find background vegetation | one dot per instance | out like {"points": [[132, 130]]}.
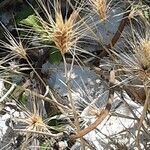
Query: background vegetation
{"points": [[46, 47]]}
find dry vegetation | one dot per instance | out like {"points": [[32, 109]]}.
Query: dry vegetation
{"points": [[46, 119]]}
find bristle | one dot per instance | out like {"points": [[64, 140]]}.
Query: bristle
{"points": [[21, 51], [95, 111]]}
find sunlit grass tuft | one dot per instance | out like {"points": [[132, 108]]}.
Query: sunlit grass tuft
{"points": [[141, 52], [64, 31], [31, 123], [135, 60], [32, 119], [132, 62]]}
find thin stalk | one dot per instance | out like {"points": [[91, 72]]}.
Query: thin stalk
{"points": [[65, 67], [50, 92], [39, 132], [68, 84], [36, 72]]}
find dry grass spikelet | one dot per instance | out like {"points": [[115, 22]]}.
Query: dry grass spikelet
{"points": [[31, 124], [62, 31], [14, 46], [143, 53], [33, 121], [134, 64], [136, 60], [63, 35], [100, 7]]}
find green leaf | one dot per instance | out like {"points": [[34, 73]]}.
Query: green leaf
{"points": [[31, 21], [54, 56], [20, 94]]}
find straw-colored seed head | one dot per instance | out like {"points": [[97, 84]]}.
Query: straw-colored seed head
{"points": [[143, 53], [100, 6], [59, 29], [14, 46], [35, 120], [63, 35], [20, 51]]}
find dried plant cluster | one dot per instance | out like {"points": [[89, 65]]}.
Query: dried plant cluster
{"points": [[142, 51], [59, 30], [64, 36], [15, 47], [44, 115]]}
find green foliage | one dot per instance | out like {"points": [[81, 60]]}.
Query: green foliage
{"points": [[58, 128], [33, 22], [44, 146], [23, 98], [57, 125], [55, 56], [19, 95]]}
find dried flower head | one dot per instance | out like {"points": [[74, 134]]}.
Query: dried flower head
{"points": [[64, 35], [136, 60], [100, 7], [33, 121], [63, 31]]}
